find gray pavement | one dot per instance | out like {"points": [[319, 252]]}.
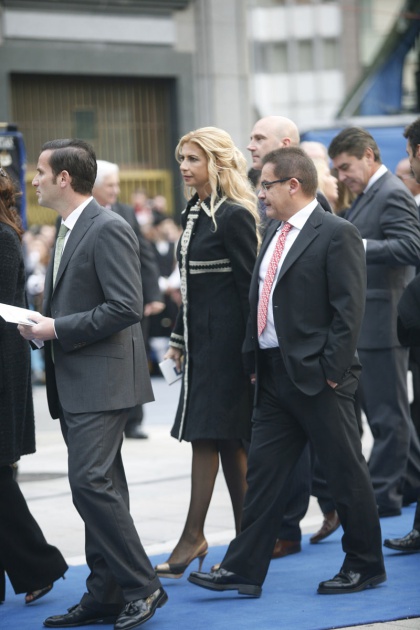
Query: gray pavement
{"points": [[158, 473]]}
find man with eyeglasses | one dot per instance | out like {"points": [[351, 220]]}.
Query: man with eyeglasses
{"points": [[305, 316], [268, 134]]}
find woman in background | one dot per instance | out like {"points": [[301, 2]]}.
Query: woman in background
{"points": [[216, 255], [327, 182], [31, 564]]}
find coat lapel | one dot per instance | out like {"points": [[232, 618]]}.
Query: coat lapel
{"points": [[365, 199], [307, 234], [83, 223]]}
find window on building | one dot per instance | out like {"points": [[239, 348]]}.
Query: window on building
{"points": [[330, 54], [271, 58], [305, 55], [277, 57]]}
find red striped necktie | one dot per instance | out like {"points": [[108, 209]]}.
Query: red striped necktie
{"points": [[269, 278]]}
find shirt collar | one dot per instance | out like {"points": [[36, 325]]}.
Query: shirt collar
{"points": [[299, 219], [381, 171], [70, 222]]}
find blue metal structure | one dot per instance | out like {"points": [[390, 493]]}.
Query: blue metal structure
{"points": [[386, 130]]}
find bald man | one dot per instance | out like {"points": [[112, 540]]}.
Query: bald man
{"points": [[316, 150], [270, 133]]}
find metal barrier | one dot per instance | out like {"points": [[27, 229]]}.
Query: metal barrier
{"points": [[153, 182]]}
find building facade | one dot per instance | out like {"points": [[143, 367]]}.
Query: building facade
{"points": [[132, 76]]}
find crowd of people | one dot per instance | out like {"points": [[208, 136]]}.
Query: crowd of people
{"points": [[289, 300]]}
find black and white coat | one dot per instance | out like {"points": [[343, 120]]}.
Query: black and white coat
{"points": [[216, 266]]}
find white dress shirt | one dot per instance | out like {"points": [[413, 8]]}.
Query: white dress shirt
{"points": [[70, 222], [268, 338]]}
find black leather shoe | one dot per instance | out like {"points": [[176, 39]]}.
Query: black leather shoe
{"points": [[140, 610], [78, 616], [409, 543], [222, 580], [350, 582]]}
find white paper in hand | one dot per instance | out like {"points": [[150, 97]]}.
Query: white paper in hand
{"points": [[169, 371], [16, 315]]}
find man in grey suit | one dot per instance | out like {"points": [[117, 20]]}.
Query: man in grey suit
{"points": [[386, 216], [96, 369], [305, 314]]}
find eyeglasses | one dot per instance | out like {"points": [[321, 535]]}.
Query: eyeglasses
{"points": [[267, 185]]}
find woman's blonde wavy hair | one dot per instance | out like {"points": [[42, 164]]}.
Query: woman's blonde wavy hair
{"points": [[227, 169]]}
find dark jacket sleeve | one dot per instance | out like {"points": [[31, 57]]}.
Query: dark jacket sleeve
{"points": [[149, 268], [408, 323]]}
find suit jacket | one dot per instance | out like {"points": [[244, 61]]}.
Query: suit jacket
{"points": [[149, 266], [318, 301], [387, 216], [409, 315], [99, 357]]}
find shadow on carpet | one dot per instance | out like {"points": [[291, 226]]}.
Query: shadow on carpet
{"points": [[289, 600]]}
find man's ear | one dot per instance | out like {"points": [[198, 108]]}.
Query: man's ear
{"points": [[417, 151], [369, 154], [64, 179], [294, 185]]}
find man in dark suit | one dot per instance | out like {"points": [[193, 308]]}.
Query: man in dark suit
{"points": [[96, 369], [106, 191], [268, 134], [408, 323], [303, 330], [404, 172], [386, 216]]}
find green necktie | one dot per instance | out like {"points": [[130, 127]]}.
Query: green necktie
{"points": [[59, 246]]}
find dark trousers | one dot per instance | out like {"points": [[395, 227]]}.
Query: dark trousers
{"points": [[29, 561], [319, 488], [394, 462], [297, 495], [414, 366], [284, 420], [120, 570], [416, 524]]}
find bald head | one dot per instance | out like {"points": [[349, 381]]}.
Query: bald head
{"points": [[270, 133], [405, 174], [315, 150]]}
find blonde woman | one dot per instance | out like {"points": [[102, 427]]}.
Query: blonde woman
{"points": [[327, 182], [216, 255]]}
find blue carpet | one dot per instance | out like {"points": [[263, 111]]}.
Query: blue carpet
{"points": [[289, 600]]}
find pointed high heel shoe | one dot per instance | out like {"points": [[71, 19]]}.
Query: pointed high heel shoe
{"points": [[176, 571], [34, 595]]}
